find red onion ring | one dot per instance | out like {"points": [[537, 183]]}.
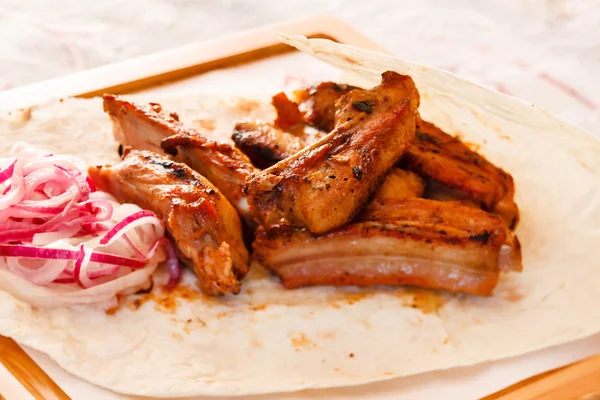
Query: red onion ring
{"points": [[49, 214]]}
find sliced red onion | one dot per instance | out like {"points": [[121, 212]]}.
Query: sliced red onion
{"points": [[106, 258], [80, 272], [43, 239], [7, 172], [133, 247], [64, 280], [13, 250], [90, 183], [16, 191], [99, 273], [130, 222], [47, 253], [52, 223]]}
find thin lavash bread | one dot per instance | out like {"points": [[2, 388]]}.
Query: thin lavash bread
{"points": [[268, 339]]}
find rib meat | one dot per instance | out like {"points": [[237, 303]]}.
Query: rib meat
{"points": [[439, 245], [453, 171], [265, 144], [145, 128], [326, 184], [317, 103], [398, 185], [443, 158], [205, 228]]}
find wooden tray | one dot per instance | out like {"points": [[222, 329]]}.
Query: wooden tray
{"points": [[181, 67]]}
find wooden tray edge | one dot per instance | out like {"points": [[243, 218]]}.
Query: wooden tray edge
{"points": [[184, 61]]}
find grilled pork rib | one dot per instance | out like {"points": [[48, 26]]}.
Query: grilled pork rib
{"points": [[144, 128], [205, 228], [443, 158], [299, 123], [265, 144], [439, 245], [453, 171], [326, 184], [317, 103]]}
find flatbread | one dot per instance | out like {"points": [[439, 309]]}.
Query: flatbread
{"points": [[268, 339]]}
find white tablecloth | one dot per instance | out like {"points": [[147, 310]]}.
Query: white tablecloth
{"points": [[545, 51]]}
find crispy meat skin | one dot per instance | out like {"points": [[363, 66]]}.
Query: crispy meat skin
{"points": [[326, 184], [145, 128], [420, 242], [441, 157], [220, 163], [399, 184], [452, 169], [265, 144], [317, 103], [204, 226], [288, 113]]}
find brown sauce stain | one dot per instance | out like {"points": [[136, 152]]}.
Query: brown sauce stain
{"points": [[177, 336], [301, 342], [112, 311], [205, 124], [186, 327], [256, 343], [426, 300], [353, 298], [246, 106], [585, 166], [473, 146], [121, 301], [327, 335], [165, 300], [388, 373], [491, 126], [19, 117], [513, 293], [309, 315]]}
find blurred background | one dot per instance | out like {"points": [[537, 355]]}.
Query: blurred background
{"points": [[544, 51]]}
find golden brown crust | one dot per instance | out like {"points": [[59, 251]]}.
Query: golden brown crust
{"points": [[317, 103], [288, 113], [265, 144], [400, 184], [453, 170], [205, 228], [324, 185], [298, 124], [221, 163], [441, 157], [147, 128], [418, 242]]}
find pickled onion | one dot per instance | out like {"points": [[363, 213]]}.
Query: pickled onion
{"points": [[59, 233]]}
